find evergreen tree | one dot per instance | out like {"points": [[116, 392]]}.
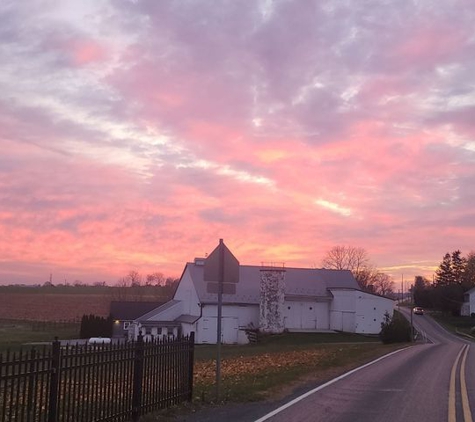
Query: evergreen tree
{"points": [[422, 292], [444, 274], [469, 273], [458, 266]]}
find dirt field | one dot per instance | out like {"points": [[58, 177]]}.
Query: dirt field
{"points": [[52, 307]]}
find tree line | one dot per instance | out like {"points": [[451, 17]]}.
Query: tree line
{"points": [[454, 276], [134, 286]]}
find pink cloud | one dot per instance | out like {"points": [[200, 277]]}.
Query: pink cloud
{"points": [[287, 131], [86, 52], [424, 45]]}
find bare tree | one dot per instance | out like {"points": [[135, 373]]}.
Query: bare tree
{"points": [[346, 258], [383, 284], [155, 279], [134, 278], [122, 288], [354, 259], [365, 277]]}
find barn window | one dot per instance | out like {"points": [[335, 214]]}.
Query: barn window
{"points": [[311, 308], [288, 307], [375, 308]]}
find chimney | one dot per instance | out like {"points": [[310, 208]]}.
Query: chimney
{"points": [[272, 289]]}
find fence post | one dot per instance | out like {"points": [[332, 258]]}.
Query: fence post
{"points": [[191, 357], [137, 381], [31, 383], [54, 381]]}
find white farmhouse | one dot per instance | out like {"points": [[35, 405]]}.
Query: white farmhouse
{"points": [[468, 306], [272, 299]]}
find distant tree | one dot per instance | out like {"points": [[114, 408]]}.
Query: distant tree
{"points": [[171, 284], [444, 274], [354, 259], [383, 284], [448, 287], [134, 277], [469, 273], [448, 298], [422, 292], [366, 278], [458, 266], [171, 281], [346, 258], [155, 279], [122, 289]]}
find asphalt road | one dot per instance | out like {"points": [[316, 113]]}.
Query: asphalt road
{"points": [[431, 382]]}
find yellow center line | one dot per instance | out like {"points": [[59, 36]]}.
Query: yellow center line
{"points": [[467, 413], [452, 411]]}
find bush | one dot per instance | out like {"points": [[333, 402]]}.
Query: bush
{"points": [[396, 329], [95, 326]]}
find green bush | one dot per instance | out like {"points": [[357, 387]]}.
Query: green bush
{"points": [[396, 329]]}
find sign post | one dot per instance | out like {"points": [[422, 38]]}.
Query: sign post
{"points": [[221, 273], [220, 312]]}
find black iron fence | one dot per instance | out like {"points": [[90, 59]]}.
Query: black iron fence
{"points": [[111, 382]]}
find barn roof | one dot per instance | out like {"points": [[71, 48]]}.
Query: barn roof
{"points": [[130, 310], [300, 282]]}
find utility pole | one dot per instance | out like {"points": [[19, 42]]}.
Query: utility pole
{"points": [[412, 313], [402, 288], [220, 310]]}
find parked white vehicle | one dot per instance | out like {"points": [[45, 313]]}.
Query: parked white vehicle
{"points": [[99, 340]]}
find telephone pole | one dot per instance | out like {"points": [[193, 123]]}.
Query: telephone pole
{"points": [[402, 288]]}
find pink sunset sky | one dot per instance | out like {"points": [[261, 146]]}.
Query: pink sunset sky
{"points": [[136, 134]]}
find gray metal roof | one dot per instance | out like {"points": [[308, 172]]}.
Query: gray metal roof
{"points": [[157, 310], [190, 319], [130, 310], [298, 282]]}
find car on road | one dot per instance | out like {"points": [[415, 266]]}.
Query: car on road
{"points": [[418, 310]]}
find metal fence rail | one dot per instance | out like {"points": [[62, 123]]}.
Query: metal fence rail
{"points": [[110, 382]]}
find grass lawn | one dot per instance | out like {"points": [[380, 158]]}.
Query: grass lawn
{"points": [[455, 324], [280, 343], [15, 334]]}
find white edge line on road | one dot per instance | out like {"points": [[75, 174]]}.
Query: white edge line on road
{"points": [[321, 387]]}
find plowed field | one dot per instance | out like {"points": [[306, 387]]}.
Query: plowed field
{"points": [[52, 307]]}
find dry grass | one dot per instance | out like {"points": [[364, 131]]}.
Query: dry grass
{"points": [[250, 377]]}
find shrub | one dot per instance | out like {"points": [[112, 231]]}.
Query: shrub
{"points": [[395, 330], [95, 326]]}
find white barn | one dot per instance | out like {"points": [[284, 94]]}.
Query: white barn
{"points": [[272, 299]]}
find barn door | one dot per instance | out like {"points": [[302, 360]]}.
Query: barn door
{"points": [[308, 316]]}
